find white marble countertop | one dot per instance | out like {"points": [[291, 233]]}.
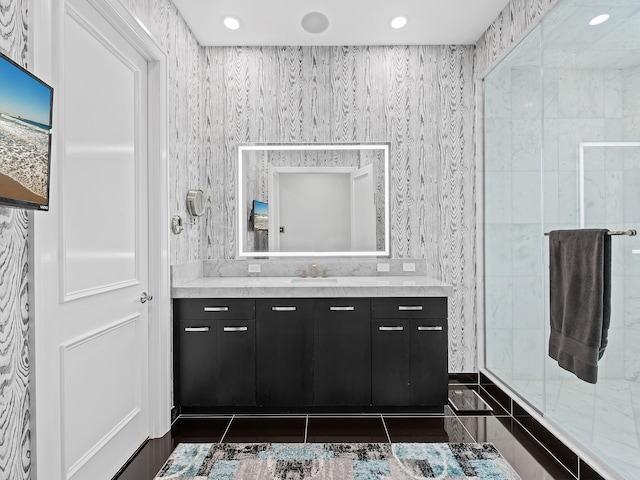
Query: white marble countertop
{"points": [[347, 286]]}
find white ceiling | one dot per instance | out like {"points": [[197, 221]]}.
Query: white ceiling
{"points": [[351, 22]]}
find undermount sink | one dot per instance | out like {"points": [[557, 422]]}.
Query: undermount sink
{"points": [[314, 281]]}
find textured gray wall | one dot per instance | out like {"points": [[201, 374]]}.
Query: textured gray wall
{"points": [[418, 98], [169, 29], [15, 441]]}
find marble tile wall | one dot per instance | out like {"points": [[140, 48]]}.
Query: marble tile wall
{"points": [[631, 200], [578, 105], [511, 230], [15, 439], [419, 98]]}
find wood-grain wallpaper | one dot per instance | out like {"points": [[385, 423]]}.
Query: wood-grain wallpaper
{"points": [[167, 26], [507, 30], [15, 435], [418, 98]]}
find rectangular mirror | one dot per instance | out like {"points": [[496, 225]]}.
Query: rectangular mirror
{"points": [[313, 200]]}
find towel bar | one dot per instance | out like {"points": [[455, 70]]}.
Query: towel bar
{"points": [[631, 233]]}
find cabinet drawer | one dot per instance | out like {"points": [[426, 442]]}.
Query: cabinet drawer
{"points": [[408, 307], [213, 308], [337, 306], [289, 308]]}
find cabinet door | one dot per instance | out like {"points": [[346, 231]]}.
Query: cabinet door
{"points": [[284, 349], [426, 344], [236, 362], [390, 367], [429, 362], [195, 362], [342, 346]]}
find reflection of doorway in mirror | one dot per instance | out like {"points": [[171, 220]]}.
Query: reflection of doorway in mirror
{"points": [[322, 209], [312, 212]]}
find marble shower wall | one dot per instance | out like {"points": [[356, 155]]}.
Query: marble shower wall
{"points": [[631, 199], [418, 98], [170, 30], [514, 290], [15, 433], [579, 104]]}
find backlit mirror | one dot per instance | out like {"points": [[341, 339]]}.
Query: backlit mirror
{"points": [[313, 200]]}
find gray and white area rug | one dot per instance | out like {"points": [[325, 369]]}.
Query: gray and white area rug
{"points": [[336, 461]]}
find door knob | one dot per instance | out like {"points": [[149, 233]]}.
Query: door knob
{"points": [[144, 297]]}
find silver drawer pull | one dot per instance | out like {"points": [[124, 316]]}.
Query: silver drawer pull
{"points": [[410, 308], [196, 329], [391, 329], [430, 329], [284, 309], [235, 329], [216, 309], [342, 309]]}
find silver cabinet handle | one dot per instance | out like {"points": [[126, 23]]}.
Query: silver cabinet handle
{"points": [[144, 297], [284, 309], [430, 329], [196, 329], [235, 329], [391, 329], [410, 308], [342, 309], [216, 309]]}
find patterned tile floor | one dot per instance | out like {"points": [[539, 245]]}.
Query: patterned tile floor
{"points": [[519, 448]]}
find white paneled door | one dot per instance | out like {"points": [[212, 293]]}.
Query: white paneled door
{"points": [[93, 298]]}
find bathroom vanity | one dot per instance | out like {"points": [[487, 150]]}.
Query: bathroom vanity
{"points": [[277, 343], [283, 344]]}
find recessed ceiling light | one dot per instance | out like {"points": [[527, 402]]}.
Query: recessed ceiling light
{"points": [[315, 22], [599, 19], [231, 22], [399, 21]]}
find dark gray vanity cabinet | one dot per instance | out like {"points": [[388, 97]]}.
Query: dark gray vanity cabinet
{"points": [[298, 354], [214, 352], [342, 351], [284, 347], [409, 346]]}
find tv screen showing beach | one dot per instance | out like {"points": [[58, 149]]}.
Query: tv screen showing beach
{"points": [[25, 135], [260, 216]]}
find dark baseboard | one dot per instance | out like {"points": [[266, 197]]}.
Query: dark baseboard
{"points": [[470, 378]]}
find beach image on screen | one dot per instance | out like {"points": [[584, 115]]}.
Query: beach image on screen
{"points": [[24, 135], [260, 216]]}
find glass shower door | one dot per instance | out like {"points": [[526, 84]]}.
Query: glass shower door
{"points": [[605, 417]]}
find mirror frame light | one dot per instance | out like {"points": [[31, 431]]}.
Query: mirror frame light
{"points": [[241, 210]]}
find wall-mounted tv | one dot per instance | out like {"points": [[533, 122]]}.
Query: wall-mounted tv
{"points": [[260, 216], [25, 137]]}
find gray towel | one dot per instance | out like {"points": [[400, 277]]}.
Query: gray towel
{"points": [[580, 289]]}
